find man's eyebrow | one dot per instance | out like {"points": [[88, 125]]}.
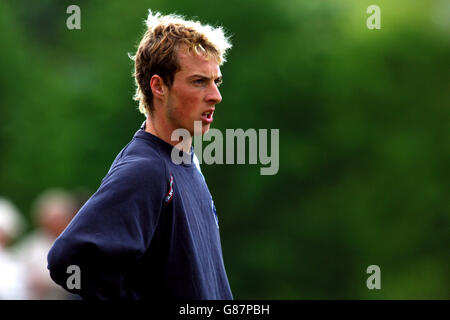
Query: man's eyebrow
{"points": [[205, 77]]}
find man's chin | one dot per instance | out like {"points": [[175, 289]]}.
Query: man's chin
{"points": [[205, 128], [199, 131]]}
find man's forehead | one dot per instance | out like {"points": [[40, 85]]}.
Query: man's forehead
{"points": [[192, 64]]}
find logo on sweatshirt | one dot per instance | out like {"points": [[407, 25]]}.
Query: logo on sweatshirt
{"points": [[169, 195], [215, 213]]}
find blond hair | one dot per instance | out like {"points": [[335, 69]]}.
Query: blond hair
{"points": [[158, 50]]}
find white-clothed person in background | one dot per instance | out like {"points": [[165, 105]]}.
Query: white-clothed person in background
{"points": [[13, 282], [52, 212]]}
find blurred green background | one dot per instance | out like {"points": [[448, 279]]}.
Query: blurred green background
{"points": [[364, 132]]}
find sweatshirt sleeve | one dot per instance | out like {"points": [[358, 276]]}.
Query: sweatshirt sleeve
{"points": [[111, 231]]}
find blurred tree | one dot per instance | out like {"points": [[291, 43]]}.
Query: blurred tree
{"points": [[363, 118]]}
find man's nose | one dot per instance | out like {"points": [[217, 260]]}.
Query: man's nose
{"points": [[214, 96]]}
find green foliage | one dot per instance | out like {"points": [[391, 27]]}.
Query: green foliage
{"points": [[364, 133]]}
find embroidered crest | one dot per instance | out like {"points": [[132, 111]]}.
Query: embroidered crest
{"points": [[169, 195], [215, 213]]}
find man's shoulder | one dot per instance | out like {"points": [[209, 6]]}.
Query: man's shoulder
{"points": [[140, 148], [141, 166], [138, 170]]}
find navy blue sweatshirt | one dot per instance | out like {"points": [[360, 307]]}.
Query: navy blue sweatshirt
{"points": [[149, 232]]}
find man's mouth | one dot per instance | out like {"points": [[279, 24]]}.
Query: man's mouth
{"points": [[207, 117]]}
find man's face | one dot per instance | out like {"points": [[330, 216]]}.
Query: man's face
{"points": [[194, 92]]}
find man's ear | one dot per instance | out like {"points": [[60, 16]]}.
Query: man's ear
{"points": [[158, 87]]}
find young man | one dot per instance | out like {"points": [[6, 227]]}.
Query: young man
{"points": [[150, 231]]}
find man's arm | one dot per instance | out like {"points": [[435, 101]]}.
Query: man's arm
{"points": [[112, 231]]}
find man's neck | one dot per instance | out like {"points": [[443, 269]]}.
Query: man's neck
{"points": [[164, 132]]}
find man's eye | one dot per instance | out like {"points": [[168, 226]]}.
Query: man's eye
{"points": [[218, 82], [199, 81]]}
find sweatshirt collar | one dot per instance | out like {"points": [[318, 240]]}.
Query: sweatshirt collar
{"points": [[164, 147]]}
